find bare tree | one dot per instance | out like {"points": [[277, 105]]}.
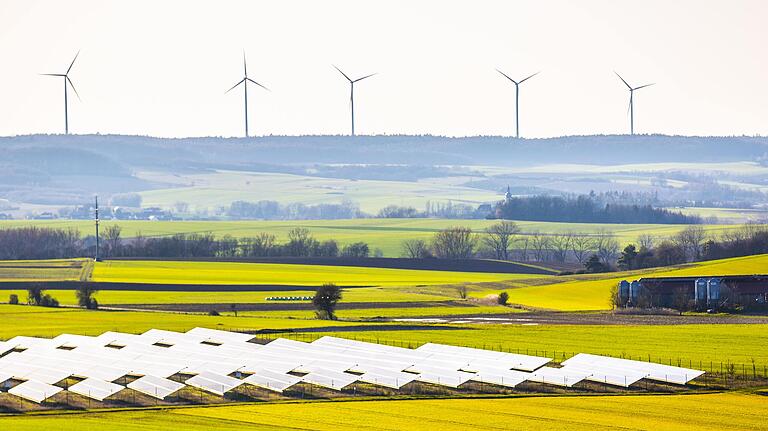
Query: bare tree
{"points": [[540, 246], [524, 244], [500, 236], [606, 246], [646, 241], [691, 239], [582, 246], [112, 239], [415, 249], [454, 243], [560, 245]]}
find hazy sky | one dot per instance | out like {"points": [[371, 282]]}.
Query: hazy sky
{"points": [[162, 67]]}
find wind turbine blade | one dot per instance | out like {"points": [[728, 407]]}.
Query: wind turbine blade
{"points": [[234, 86], [245, 67], [643, 86], [529, 77], [622, 80], [249, 79], [507, 76], [52, 74], [73, 87], [345, 75], [73, 62], [366, 76]]}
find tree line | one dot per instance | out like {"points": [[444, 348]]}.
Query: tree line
{"points": [[506, 241], [694, 244], [56, 243], [586, 209]]}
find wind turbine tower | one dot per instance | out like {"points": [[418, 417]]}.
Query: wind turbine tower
{"points": [[517, 99], [352, 94], [67, 82], [245, 82], [631, 102]]}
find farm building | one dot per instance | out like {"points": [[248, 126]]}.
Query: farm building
{"points": [[696, 293]]}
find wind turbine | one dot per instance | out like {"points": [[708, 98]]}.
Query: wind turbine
{"points": [[245, 81], [517, 99], [65, 75], [352, 94], [631, 102]]}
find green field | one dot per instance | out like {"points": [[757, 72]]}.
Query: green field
{"points": [[384, 234], [591, 291], [177, 272], [733, 411], [210, 190], [44, 270]]}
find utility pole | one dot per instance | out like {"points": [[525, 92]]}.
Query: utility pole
{"points": [[97, 229]]}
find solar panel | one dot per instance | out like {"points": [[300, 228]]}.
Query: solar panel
{"points": [[390, 379], [652, 371], [220, 336], [272, 380], [4, 377], [46, 375], [156, 387], [330, 379], [215, 383], [5, 347], [34, 391], [608, 375], [509, 360], [95, 389], [508, 378], [22, 342], [558, 376]]}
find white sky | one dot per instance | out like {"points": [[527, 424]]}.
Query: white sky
{"points": [[161, 67]]}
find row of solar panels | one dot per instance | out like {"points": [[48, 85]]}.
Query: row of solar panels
{"points": [[220, 361]]}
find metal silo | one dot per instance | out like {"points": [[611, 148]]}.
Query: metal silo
{"points": [[700, 291], [713, 292], [634, 291], [623, 292]]}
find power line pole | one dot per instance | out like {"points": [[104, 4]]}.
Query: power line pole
{"points": [[97, 229]]}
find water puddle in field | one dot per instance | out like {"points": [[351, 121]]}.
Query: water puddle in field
{"points": [[472, 320]]}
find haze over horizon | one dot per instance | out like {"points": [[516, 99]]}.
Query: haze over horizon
{"points": [[161, 69]]}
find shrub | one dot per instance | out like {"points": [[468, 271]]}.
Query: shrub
{"points": [[13, 299], [503, 298], [325, 300], [85, 297], [48, 301], [213, 313]]}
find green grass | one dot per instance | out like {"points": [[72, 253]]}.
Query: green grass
{"points": [[384, 234], [733, 411], [174, 272], [592, 291], [43, 270]]}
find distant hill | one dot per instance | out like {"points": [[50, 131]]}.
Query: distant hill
{"points": [[249, 153], [44, 172]]}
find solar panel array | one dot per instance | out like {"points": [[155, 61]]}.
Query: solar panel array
{"points": [[160, 363]]}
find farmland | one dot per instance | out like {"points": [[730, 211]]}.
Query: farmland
{"points": [[278, 274], [386, 235], [44, 270], [591, 292], [733, 411]]}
